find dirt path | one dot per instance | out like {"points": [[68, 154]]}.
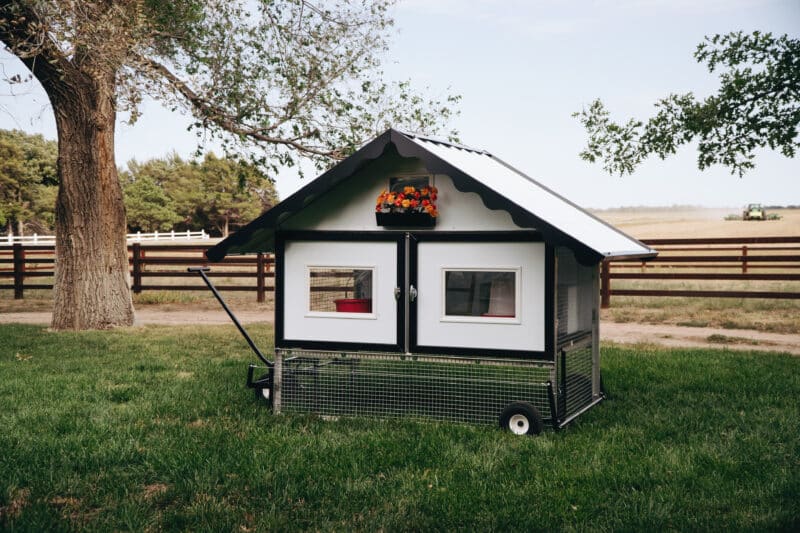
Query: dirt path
{"points": [[624, 333], [684, 337], [154, 316]]}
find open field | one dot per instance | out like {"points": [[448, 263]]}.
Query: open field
{"points": [[151, 428], [697, 222]]}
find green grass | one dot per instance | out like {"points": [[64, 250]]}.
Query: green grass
{"points": [[151, 428]]}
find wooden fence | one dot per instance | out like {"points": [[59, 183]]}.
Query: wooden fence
{"points": [[147, 262], [722, 259]]}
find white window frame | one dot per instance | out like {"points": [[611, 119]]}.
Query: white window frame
{"points": [[333, 314], [516, 319]]}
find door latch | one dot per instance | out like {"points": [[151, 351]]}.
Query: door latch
{"points": [[397, 293], [412, 293]]}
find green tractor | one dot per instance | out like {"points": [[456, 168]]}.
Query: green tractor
{"points": [[754, 212]]}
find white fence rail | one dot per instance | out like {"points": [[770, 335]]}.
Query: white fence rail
{"points": [[132, 237]]}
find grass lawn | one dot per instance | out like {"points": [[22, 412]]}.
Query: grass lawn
{"points": [[151, 428]]}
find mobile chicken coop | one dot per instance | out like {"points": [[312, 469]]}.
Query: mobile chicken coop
{"points": [[466, 292]]}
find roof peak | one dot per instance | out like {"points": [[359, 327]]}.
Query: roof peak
{"points": [[439, 140]]}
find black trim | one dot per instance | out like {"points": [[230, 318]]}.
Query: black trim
{"points": [[265, 227], [549, 301], [280, 266], [283, 237], [548, 354], [479, 236]]}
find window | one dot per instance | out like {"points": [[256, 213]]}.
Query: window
{"points": [[481, 293], [340, 290], [418, 182]]}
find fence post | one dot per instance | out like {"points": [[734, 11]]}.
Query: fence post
{"points": [[744, 259], [137, 268], [19, 271], [605, 285], [260, 278]]}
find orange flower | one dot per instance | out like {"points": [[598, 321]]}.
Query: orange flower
{"points": [[406, 203]]}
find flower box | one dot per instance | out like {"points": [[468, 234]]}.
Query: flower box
{"points": [[416, 220]]}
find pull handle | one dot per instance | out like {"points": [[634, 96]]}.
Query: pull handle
{"points": [[397, 293], [412, 293]]}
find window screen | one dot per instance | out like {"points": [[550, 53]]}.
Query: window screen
{"points": [[480, 293], [340, 290]]}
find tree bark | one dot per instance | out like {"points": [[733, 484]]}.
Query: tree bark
{"points": [[91, 288]]}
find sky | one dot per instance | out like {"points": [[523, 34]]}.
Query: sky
{"points": [[522, 68]]}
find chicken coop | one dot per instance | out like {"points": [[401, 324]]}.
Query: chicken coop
{"points": [[421, 278]]}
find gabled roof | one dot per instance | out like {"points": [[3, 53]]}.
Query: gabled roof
{"points": [[500, 186]]}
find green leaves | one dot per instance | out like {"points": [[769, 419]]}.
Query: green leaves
{"points": [[285, 79], [213, 193], [757, 105], [27, 179]]}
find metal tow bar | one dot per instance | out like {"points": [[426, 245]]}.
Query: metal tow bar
{"points": [[264, 383]]}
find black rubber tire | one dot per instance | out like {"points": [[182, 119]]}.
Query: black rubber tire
{"points": [[521, 418]]}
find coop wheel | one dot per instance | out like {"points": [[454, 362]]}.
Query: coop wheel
{"points": [[259, 392], [521, 418]]}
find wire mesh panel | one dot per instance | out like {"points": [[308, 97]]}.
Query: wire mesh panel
{"points": [[389, 385], [575, 374]]}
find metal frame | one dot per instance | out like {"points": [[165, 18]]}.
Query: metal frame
{"points": [[391, 385]]}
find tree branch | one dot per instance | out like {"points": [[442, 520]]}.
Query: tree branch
{"points": [[25, 34], [219, 117]]}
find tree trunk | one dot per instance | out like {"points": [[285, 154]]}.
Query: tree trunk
{"points": [[91, 288]]}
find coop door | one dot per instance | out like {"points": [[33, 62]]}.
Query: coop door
{"points": [[341, 294], [479, 296]]}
